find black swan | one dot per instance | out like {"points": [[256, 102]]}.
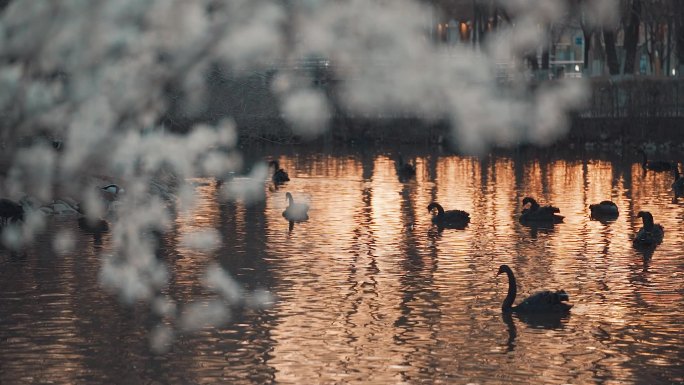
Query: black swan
{"points": [[405, 170], [650, 234], [295, 212], [655, 165], [539, 302], [455, 219], [604, 209], [10, 211], [539, 214], [279, 175]]}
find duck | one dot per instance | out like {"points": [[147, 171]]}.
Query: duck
{"points": [[604, 209], [10, 211], [678, 184], [650, 234], [655, 165], [539, 214], [279, 175], [405, 170], [295, 212], [454, 219], [111, 192], [540, 302], [64, 208]]}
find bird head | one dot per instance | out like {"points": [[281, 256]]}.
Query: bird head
{"points": [[502, 269], [644, 214], [528, 200], [113, 189]]}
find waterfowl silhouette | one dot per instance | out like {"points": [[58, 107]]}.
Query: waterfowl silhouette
{"points": [[650, 234], [279, 175], [64, 208], [655, 165], [604, 210], [405, 171], [10, 211], [536, 214], [295, 212], [452, 219], [539, 302], [111, 192]]}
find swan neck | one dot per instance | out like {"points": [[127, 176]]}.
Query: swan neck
{"points": [[512, 291], [648, 222], [440, 209], [290, 200], [533, 204]]}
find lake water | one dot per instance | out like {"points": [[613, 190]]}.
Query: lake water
{"points": [[368, 291]]}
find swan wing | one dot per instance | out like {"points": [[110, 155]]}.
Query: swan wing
{"points": [[542, 214], [280, 176], [549, 210], [545, 301], [646, 238], [457, 215]]}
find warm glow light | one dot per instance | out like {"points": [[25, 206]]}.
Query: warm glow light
{"points": [[369, 292]]}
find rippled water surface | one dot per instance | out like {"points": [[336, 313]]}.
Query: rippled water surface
{"points": [[368, 291]]}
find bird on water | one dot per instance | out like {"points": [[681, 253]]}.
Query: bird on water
{"points": [[405, 171], [650, 234], [655, 165], [534, 213], [10, 211], [540, 302], [295, 212], [452, 219], [604, 210], [279, 175]]}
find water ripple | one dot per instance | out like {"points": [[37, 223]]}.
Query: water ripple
{"points": [[368, 291]]}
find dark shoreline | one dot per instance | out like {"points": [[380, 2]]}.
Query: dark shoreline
{"points": [[633, 111], [607, 132]]}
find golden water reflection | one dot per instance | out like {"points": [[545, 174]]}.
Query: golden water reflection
{"points": [[370, 292], [387, 299]]}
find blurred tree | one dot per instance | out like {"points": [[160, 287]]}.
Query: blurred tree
{"points": [[632, 36], [679, 31], [611, 51], [658, 21], [588, 29]]}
